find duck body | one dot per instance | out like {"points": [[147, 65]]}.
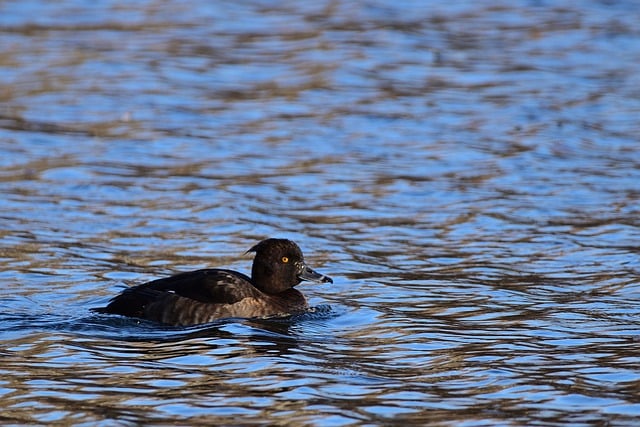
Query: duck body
{"points": [[202, 296]]}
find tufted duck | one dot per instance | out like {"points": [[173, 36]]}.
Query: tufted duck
{"points": [[203, 296]]}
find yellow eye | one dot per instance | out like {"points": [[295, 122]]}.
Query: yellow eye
{"points": [[285, 259]]}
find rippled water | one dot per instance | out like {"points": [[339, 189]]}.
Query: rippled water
{"points": [[468, 174]]}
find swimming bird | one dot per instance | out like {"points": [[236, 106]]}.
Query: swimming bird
{"points": [[202, 296]]}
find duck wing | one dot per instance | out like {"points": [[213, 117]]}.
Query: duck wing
{"points": [[207, 286]]}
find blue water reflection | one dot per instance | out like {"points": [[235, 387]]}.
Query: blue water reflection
{"points": [[467, 173]]}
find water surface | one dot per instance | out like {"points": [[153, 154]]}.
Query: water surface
{"points": [[467, 173]]}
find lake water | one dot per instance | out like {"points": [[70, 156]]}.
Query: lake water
{"points": [[467, 172]]}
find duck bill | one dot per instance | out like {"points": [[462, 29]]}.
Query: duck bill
{"points": [[306, 273]]}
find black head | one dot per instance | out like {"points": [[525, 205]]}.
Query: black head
{"points": [[279, 265]]}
